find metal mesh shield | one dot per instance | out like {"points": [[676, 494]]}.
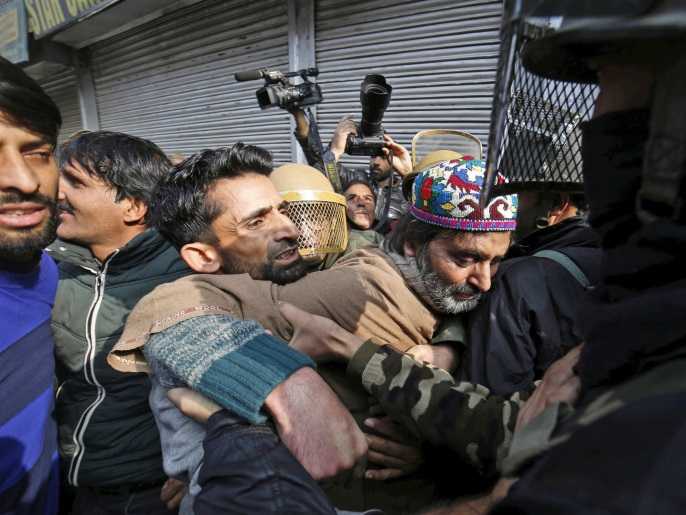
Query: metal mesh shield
{"points": [[322, 226], [535, 135]]}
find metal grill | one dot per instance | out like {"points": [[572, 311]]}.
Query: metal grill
{"points": [[322, 226], [540, 146]]}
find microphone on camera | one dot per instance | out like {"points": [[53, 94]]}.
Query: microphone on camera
{"points": [[248, 75]]}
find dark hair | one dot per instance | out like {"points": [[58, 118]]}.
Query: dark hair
{"points": [[554, 199], [416, 233], [24, 103], [182, 210], [364, 182], [131, 166]]}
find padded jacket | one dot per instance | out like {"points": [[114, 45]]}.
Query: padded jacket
{"points": [[107, 433]]}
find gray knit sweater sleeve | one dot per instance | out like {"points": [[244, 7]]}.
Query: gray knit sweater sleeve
{"points": [[233, 362]]}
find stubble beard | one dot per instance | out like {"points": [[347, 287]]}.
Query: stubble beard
{"points": [[25, 245]]}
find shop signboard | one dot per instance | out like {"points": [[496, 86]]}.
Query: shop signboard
{"points": [[13, 34], [48, 16]]}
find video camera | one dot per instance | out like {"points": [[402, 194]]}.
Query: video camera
{"points": [[375, 95], [278, 91]]}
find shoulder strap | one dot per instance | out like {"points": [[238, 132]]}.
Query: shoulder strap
{"points": [[568, 264]]}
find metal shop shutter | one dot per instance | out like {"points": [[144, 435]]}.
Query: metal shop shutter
{"points": [[440, 56], [63, 89], [171, 80]]}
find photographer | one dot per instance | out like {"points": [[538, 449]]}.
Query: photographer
{"points": [[384, 171]]}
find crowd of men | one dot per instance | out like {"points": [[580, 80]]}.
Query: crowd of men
{"points": [[181, 338]]}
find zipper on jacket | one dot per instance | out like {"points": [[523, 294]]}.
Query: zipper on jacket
{"points": [[89, 371]]}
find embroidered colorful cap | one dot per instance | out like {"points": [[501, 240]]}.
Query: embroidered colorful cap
{"points": [[448, 193]]}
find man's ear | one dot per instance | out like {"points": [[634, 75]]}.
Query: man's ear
{"points": [[409, 250], [564, 210], [134, 211], [201, 257]]}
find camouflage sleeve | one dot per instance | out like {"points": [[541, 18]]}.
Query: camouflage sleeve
{"points": [[462, 416]]}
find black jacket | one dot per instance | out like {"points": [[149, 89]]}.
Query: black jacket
{"points": [[620, 452], [107, 432], [529, 318]]}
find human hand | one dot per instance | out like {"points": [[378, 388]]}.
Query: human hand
{"points": [[193, 404], [397, 451], [479, 505], [345, 127], [402, 161], [314, 425], [318, 337], [559, 384], [441, 356], [172, 493], [302, 124]]}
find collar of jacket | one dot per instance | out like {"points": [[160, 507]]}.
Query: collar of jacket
{"points": [[141, 249], [573, 232]]}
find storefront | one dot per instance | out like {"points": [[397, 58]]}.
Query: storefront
{"points": [[168, 75]]}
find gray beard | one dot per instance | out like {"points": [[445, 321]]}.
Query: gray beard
{"points": [[441, 295]]}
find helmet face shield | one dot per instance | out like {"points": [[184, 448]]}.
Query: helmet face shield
{"points": [[427, 141], [535, 140], [321, 221]]}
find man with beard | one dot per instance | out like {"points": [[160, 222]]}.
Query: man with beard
{"points": [[385, 172], [443, 259], [29, 123], [232, 358]]}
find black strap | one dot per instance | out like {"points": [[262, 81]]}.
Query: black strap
{"points": [[330, 167]]}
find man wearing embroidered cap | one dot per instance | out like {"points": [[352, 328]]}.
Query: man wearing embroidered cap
{"points": [[451, 243]]}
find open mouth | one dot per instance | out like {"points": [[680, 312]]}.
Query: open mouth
{"points": [[23, 215], [287, 256]]}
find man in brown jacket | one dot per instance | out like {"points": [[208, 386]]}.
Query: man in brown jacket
{"points": [[438, 263]]}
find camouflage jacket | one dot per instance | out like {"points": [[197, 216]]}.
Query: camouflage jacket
{"points": [[462, 416]]}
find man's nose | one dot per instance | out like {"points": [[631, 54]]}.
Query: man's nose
{"points": [[17, 175], [287, 229], [481, 276]]}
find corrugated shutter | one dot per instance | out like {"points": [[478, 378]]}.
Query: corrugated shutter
{"points": [[63, 89], [171, 80], [440, 56]]}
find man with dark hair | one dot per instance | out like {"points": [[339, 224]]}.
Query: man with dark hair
{"points": [[225, 215], [530, 318], [108, 259], [29, 123], [361, 201], [189, 204]]}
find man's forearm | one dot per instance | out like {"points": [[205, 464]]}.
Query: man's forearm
{"points": [[233, 362], [427, 400]]}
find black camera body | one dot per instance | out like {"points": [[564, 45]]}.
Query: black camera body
{"points": [[279, 91], [375, 96], [365, 146]]}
